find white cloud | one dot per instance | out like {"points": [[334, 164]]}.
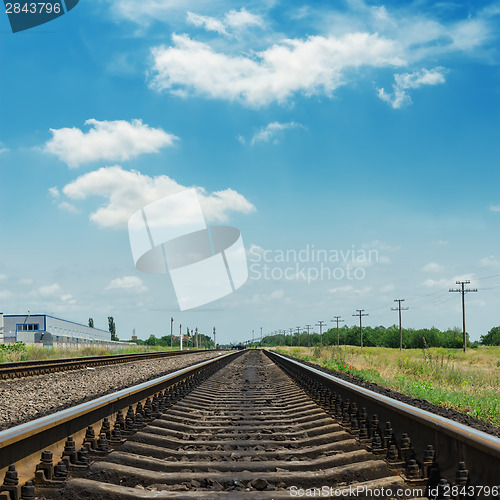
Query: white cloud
{"points": [[495, 208], [68, 207], [53, 290], [270, 131], [206, 22], [406, 81], [3, 277], [127, 191], [106, 140], [313, 66], [432, 267], [387, 288], [3, 148], [131, 284], [234, 20], [54, 192], [238, 19], [490, 261], [5, 294]]}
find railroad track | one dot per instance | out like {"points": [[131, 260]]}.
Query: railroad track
{"points": [[255, 425], [19, 369]]}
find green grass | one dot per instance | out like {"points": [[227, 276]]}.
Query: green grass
{"points": [[21, 352], [468, 382]]}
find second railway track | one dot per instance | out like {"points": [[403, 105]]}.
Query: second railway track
{"points": [[18, 369], [252, 430]]}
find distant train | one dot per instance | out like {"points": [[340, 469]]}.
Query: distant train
{"points": [[238, 347]]}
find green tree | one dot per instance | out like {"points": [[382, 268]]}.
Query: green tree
{"points": [[112, 328], [91, 322], [492, 337]]}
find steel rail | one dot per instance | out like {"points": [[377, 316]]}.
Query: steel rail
{"points": [[18, 442], [453, 441], [18, 369]]}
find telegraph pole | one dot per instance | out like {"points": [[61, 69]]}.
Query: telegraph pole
{"points": [[320, 324], [337, 319], [197, 338], [308, 336], [171, 332], [215, 345], [180, 334], [463, 291], [360, 313], [298, 335], [399, 308], [291, 337], [253, 337]]}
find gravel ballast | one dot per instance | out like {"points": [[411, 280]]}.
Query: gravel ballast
{"points": [[26, 399]]}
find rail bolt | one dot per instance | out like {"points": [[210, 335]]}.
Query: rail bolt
{"points": [[60, 472], [462, 474], [11, 483], [412, 469], [28, 491]]}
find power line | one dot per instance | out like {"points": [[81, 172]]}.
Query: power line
{"points": [[360, 313], [399, 308], [463, 291], [320, 324], [337, 319], [308, 336]]}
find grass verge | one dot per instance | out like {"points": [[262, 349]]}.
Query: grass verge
{"points": [[467, 382]]}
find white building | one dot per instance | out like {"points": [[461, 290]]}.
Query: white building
{"points": [[45, 329]]}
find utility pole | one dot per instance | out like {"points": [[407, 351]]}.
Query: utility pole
{"points": [[360, 313], [298, 335], [215, 345], [197, 338], [337, 319], [180, 334], [463, 291], [291, 337], [260, 336], [308, 336], [320, 324], [171, 332], [399, 308]]}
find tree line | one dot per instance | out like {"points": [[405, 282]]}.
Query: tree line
{"points": [[381, 336]]}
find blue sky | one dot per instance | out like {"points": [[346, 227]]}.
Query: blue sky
{"points": [[349, 125]]}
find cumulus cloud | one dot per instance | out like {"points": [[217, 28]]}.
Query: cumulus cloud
{"points": [[495, 208], [271, 130], [233, 20], [311, 66], [132, 284], [490, 261], [407, 81], [117, 140], [432, 267], [127, 191], [68, 207]]}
